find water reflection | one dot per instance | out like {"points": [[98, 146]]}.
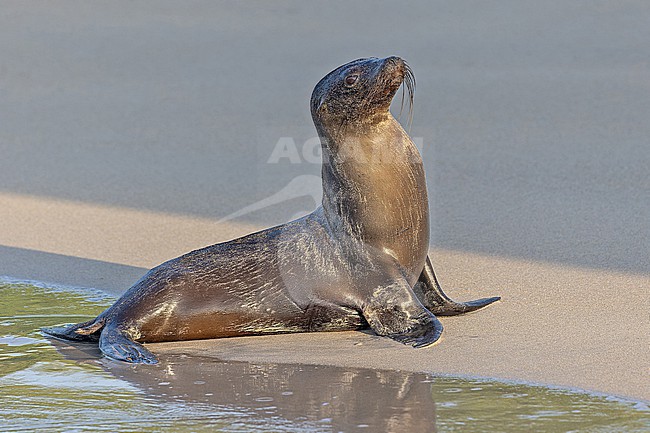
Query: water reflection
{"points": [[314, 397]]}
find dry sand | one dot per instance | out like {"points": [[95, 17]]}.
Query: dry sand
{"points": [[129, 130]]}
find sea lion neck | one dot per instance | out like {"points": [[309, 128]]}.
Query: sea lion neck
{"points": [[374, 184], [375, 124]]}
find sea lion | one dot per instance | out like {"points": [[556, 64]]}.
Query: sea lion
{"points": [[360, 259]]}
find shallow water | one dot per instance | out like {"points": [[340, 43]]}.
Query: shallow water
{"points": [[47, 385]]}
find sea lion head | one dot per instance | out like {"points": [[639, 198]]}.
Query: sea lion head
{"points": [[359, 93]]}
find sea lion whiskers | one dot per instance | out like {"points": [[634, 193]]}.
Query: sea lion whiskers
{"points": [[409, 84], [401, 104]]}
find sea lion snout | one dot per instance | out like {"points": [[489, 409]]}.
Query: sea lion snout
{"points": [[394, 64], [391, 74]]}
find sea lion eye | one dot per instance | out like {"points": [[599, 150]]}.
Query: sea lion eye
{"points": [[351, 79]]}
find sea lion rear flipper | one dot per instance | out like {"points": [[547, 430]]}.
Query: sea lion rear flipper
{"points": [[86, 331], [430, 293], [115, 344], [395, 312]]}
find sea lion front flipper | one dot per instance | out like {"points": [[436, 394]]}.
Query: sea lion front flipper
{"points": [[115, 344], [395, 312], [426, 331], [430, 293]]}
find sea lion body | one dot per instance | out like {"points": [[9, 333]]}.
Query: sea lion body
{"points": [[242, 287], [360, 259]]}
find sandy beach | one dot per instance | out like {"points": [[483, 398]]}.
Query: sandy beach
{"points": [[131, 133]]}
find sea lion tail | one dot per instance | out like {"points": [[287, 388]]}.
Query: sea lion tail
{"points": [[86, 331]]}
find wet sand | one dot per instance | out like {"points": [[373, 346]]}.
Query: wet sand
{"points": [[129, 131]]}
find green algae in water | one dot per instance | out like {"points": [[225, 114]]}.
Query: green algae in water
{"points": [[54, 386]]}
